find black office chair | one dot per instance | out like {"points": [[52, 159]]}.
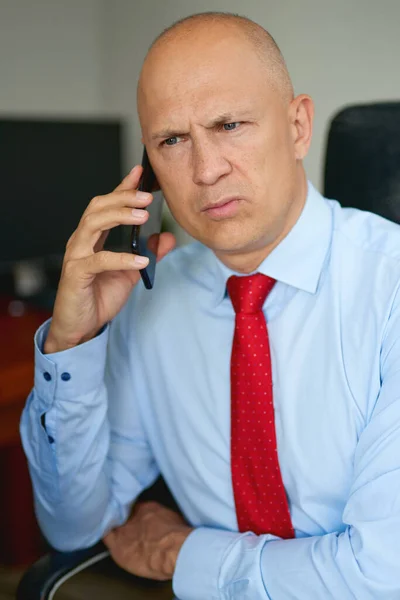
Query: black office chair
{"points": [[362, 169], [362, 164]]}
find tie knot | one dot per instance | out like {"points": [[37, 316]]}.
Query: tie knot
{"points": [[248, 293]]}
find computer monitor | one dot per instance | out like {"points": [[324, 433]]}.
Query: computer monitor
{"points": [[49, 171]]}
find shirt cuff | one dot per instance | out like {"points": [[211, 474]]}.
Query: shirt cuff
{"points": [[199, 563], [70, 373]]}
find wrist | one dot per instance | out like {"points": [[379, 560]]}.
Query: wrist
{"points": [[51, 346], [54, 343], [175, 541]]}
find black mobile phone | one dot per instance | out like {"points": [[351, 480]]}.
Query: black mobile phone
{"points": [[145, 238]]}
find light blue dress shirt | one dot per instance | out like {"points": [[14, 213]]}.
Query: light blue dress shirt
{"points": [[151, 394]]}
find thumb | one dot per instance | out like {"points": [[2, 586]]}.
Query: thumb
{"points": [[109, 539], [131, 181], [166, 244]]}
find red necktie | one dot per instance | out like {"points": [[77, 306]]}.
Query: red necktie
{"points": [[260, 497]]}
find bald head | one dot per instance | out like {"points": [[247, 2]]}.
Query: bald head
{"points": [[221, 23]]}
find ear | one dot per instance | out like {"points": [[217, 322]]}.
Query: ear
{"points": [[301, 115]]}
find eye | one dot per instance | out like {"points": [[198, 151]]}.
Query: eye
{"points": [[172, 141], [231, 126]]}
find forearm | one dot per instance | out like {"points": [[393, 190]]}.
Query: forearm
{"points": [[75, 460], [71, 488], [359, 561], [65, 436], [220, 564]]}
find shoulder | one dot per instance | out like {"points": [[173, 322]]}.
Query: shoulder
{"points": [[364, 266], [365, 233]]}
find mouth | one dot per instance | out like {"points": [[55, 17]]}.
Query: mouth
{"points": [[226, 207]]}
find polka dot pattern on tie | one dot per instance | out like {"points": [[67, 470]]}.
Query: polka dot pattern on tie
{"points": [[260, 497]]}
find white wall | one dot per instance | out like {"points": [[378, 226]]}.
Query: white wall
{"points": [[340, 52], [84, 56], [50, 57]]}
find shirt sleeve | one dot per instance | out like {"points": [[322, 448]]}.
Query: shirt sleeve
{"points": [[81, 430], [360, 561]]}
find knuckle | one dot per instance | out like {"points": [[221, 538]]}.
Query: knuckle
{"points": [[125, 259], [125, 196], [70, 240], [87, 220], [96, 202], [121, 214], [69, 268], [153, 505], [104, 258]]}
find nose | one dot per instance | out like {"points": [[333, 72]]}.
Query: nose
{"points": [[209, 163]]}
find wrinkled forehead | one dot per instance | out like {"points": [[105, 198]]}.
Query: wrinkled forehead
{"points": [[195, 77]]}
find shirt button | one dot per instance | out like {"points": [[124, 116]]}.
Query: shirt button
{"points": [[51, 439], [47, 376], [65, 376]]}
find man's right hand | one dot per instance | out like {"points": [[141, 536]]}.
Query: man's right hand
{"points": [[94, 283]]}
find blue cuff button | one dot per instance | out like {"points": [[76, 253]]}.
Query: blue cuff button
{"points": [[47, 376], [51, 439], [65, 376]]}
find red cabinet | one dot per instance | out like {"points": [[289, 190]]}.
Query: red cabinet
{"points": [[19, 535]]}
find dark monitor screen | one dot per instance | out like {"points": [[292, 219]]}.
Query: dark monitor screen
{"points": [[49, 171]]}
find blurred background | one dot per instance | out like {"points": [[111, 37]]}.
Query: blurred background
{"points": [[74, 65], [80, 60]]}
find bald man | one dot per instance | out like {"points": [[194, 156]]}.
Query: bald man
{"points": [[260, 376]]}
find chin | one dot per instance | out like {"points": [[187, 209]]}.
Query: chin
{"points": [[230, 244], [233, 236]]}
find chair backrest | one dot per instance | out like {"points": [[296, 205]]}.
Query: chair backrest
{"points": [[362, 164]]}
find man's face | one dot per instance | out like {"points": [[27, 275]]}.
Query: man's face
{"points": [[221, 144]]}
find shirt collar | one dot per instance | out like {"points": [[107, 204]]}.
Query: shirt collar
{"points": [[299, 258]]}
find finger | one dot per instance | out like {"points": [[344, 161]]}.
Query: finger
{"points": [[166, 244], [110, 261], [131, 181], [123, 198], [93, 225]]}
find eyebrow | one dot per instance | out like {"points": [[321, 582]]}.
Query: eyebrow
{"points": [[164, 133], [219, 120]]}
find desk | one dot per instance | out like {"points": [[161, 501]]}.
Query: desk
{"points": [[18, 530]]}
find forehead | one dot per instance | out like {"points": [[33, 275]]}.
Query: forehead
{"points": [[199, 81]]}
